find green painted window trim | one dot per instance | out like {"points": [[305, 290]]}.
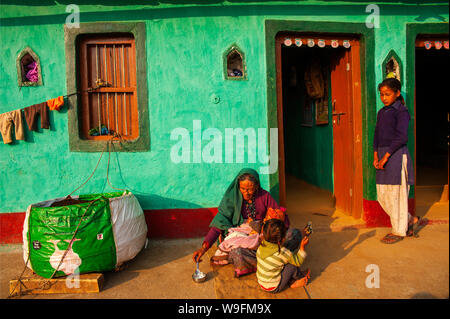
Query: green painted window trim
{"points": [[392, 54], [412, 31], [35, 57], [368, 86], [234, 47], [76, 143]]}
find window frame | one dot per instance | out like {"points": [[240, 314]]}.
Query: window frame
{"points": [[230, 49], [392, 54], [20, 71], [76, 141]]}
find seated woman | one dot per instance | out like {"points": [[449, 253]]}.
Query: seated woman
{"points": [[243, 199]]}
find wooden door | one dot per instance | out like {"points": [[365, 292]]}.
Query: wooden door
{"points": [[347, 130], [342, 121]]}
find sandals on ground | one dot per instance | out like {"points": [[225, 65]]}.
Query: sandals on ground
{"points": [[391, 239], [413, 228]]}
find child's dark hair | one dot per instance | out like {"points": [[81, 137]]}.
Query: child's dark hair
{"points": [[394, 85], [274, 232]]}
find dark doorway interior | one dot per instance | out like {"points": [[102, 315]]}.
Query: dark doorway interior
{"points": [[432, 96], [308, 140]]}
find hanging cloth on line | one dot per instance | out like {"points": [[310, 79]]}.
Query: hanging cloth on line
{"points": [[55, 104], [6, 121]]}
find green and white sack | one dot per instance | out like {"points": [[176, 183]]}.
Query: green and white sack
{"points": [[112, 231]]}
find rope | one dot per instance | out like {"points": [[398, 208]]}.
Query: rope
{"points": [[107, 169], [46, 284], [87, 90], [92, 174], [19, 281]]}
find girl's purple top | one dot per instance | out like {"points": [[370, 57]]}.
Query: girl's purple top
{"points": [[263, 201], [391, 129], [391, 136]]}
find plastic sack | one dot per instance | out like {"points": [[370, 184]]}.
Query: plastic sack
{"points": [[110, 229]]}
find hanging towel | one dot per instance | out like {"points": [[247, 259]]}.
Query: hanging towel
{"points": [[6, 121], [55, 104], [31, 113]]}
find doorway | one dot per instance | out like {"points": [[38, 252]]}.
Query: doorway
{"points": [[431, 121], [320, 151]]}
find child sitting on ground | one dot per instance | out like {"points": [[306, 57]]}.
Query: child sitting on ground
{"points": [[277, 266]]}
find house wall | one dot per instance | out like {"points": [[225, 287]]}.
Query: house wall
{"points": [[184, 49]]}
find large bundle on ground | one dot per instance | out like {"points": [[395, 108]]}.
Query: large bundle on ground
{"points": [[109, 229]]}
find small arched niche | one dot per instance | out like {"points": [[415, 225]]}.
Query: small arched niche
{"points": [[234, 64], [392, 67], [28, 68]]}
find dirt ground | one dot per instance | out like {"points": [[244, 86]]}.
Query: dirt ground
{"points": [[345, 264]]}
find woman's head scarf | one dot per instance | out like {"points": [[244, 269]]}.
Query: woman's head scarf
{"points": [[229, 214]]}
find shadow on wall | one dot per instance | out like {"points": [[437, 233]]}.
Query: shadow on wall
{"points": [[149, 200], [152, 200]]}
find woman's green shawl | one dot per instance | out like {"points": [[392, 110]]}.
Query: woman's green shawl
{"points": [[229, 214]]}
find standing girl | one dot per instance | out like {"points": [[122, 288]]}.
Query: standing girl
{"points": [[394, 172]]}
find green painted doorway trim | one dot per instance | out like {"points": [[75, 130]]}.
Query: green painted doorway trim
{"points": [[367, 57], [412, 31]]}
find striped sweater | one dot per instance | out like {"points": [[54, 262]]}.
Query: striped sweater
{"points": [[270, 263]]}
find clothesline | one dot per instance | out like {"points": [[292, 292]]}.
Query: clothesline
{"points": [[30, 113], [67, 95], [87, 90]]}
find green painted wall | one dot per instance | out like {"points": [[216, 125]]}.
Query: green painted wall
{"points": [[184, 47]]}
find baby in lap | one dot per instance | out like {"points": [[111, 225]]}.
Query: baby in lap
{"points": [[247, 235]]}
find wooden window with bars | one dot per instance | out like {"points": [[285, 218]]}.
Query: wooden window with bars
{"points": [[107, 79]]}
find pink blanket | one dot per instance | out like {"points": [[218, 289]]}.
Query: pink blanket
{"points": [[238, 237]]}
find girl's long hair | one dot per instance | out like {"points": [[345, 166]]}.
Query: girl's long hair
{"points": [[394, 85], [274, 232]]}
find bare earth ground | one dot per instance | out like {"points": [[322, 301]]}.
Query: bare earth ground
{"points": [[339, 261]]}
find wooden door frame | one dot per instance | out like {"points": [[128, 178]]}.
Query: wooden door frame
{"points": [[367, 116], [413, 30]]}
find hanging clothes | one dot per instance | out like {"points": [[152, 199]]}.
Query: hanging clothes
{"points": [[6, 121], [55, 104], [32, 111], [314, 80]]}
